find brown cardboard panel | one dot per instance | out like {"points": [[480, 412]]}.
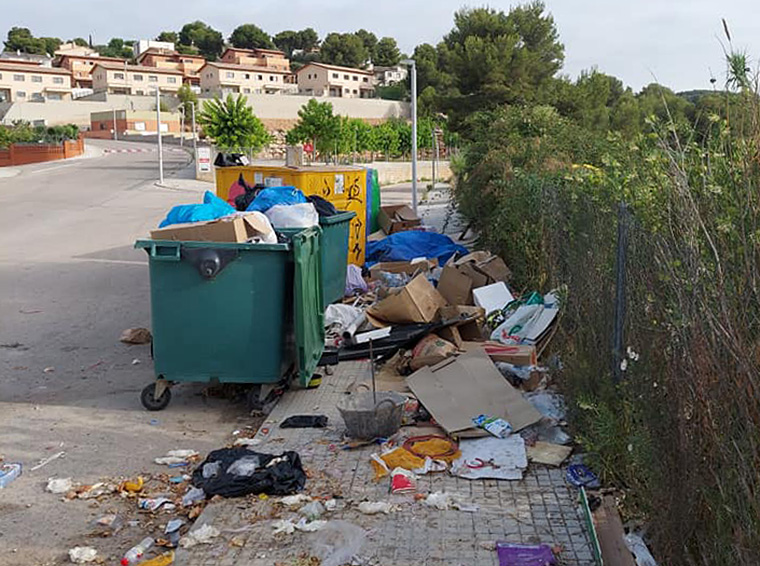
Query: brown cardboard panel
{"points": [[402, 267], [222, 230], [458, 389], [397, 218], [455, 286], [478, 279], [609, 531], [548, 453], [418, 301]]}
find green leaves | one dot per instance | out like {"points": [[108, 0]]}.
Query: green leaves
{"points": [[250, 36], [232, 124]]}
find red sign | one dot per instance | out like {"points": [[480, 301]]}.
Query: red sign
{"points": [[308, 147]]}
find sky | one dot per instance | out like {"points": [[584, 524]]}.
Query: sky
{"points": [[673, 42]]}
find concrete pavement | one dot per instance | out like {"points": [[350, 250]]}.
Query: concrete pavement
{"points": [[71, 282]]}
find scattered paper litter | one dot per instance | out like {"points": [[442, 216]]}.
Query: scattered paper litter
{"points": [[175, 457], [295, 500], [375, 507], [82, 554], [46, 461], [491, 458], [202, 535], [288, 527], [59, 485]]}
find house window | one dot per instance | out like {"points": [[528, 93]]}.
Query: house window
{"points": [[36, 79], [118, 76], [248, 75], [261, 77], [335, 75], [271, 79], [137, 77], [187, 60], [356, 78], [247, 91], [58, 80], [366, 80], [19, 78], [171, 80], [20, 94], [152, 79], [229, 75], [54, 96], [356, 91]]}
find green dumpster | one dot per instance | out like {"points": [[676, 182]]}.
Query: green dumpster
{"points": [[234, 313], [334, 254]]}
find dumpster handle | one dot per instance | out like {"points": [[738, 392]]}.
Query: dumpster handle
{"points": [[165, 252]]}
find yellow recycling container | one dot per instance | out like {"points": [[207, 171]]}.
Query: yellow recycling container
{"points": [[344, 186]]}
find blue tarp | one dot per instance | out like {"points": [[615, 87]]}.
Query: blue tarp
{"points": [[406, 246], [212, 208], [267, 198]]}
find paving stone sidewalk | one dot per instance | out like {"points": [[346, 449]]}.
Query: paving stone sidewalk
{"points": [[540, 508]]}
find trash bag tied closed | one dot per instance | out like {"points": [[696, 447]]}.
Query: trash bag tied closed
{"points": [[241, 471]]}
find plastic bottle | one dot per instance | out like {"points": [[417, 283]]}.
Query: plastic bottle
{"points": [[136, 553], [8, 473]]}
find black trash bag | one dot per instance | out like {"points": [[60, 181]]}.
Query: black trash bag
{"points": [[305, 421], [274, 475], [228, 160], [242, 202], [324, 207]]}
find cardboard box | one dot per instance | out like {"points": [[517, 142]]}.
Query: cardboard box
{"points": [[455, 286], [417, 302], [403, 267], [237, 229], [466, 327], [397, 218], [519, 355], [490, 266], [459, 389]]}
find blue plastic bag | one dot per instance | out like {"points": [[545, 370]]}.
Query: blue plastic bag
{"points": [[406, 246], [212, 208], [267, 198]]}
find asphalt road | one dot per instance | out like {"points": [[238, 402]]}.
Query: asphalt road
{"points": [[70, 283]]}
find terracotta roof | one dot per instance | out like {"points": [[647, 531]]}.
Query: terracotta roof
{"points": [[234, 67], [335, 68], [167, 53], [254, 51], [88, 57], [139, 69], [26, 68]]}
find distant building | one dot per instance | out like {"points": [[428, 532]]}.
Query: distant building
{"points": [[134, 122], [81, 66], [221, 79], [134, 79], [269, 58], [22, 82], [189, 65], [74, 49], [144, 44], [27, 58], [387, 76], [318, 79]]}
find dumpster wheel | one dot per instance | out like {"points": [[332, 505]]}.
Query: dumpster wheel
{"points": [[153, 403]]}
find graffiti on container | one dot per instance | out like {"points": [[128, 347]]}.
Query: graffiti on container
{"points": [[357, 227], [354, 191], [326, 189]]}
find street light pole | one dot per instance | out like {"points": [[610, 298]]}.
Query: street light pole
{"points": [[158, 135], [413, 68], [115, 135]]}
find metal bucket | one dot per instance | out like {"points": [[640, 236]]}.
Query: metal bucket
{"points": [[368, 420]]}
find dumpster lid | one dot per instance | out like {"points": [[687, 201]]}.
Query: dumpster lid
{"points": [[337, 218]]}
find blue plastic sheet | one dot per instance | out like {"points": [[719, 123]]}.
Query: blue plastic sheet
{"points": [[272, 196], [212, 208], [406, 246]]}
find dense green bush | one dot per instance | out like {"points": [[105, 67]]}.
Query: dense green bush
{"points": [[23, 132], [680, 433]]}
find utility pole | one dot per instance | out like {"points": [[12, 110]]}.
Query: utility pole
{"points": [[158, 136], [413, 69], [182, 126], [195, 143], [435, 155], [115, 135]]}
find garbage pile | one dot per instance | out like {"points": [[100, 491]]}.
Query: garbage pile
{"points": [[457, 356]]}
